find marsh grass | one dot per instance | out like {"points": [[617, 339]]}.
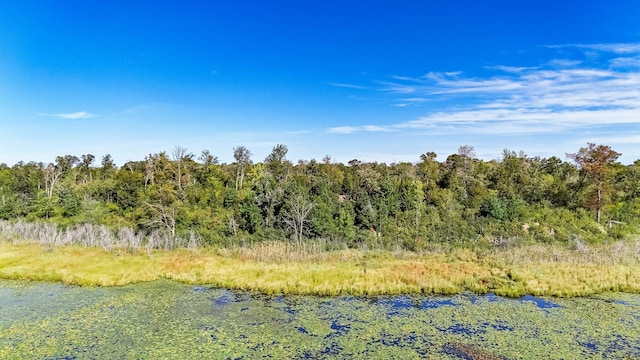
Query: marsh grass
{"points": [[562, 271], [275, 268], [96, 256]]}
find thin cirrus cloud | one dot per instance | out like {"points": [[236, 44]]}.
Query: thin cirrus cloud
{"points": [[350, 86], [623, 139], [556, 96], [623, 62], [616, 48], [72, 116], [353, 129]]}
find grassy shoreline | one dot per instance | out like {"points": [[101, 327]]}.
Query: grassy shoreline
{"points": [[273, 268]]}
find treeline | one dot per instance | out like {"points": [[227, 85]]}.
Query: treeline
{"points": [[458, 201]]}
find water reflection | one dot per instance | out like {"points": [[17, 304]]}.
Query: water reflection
{"points": [[434, 304], [540, 303]]}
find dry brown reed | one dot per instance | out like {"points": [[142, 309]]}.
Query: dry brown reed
{"points": [[89, 235]]}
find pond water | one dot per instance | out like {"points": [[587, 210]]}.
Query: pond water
{"points": [[167, 320]]}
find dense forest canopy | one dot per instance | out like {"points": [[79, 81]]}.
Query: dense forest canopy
{"points": [[458, 200]]}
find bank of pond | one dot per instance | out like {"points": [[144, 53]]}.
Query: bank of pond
{"points": [[163, 319]]}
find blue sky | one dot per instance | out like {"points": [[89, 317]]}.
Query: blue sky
{"points": [[377, 81]]}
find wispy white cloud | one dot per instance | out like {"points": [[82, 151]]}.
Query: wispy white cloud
{"points": [[365, 128], [619, 48], [509, 69], [403, 78], [563, 63], [349, 86], [376, 128], [415, 99], [559, 95], [343, 130], [397, 87], [633, 139], [410, 101], [72, 116], [625, 62]]}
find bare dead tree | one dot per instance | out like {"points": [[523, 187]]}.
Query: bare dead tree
{"points": [[243, 159], [297, 215], [165, 216], [180, 155], [85, 167], [149, 171], [52, 174], [327, 159], [207, 158], [465, 170]]}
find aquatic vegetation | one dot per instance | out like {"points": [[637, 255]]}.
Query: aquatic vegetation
{"points": [[164, 319]]}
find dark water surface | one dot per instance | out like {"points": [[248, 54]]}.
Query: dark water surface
{"points": [[166, 320]]}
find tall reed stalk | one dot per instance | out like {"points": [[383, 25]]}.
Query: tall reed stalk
{"points": [[89, 235]]}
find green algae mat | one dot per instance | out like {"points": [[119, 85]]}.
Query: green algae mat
{"points": [[167, 320]]}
